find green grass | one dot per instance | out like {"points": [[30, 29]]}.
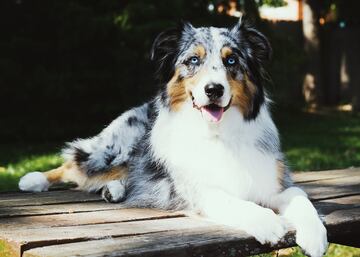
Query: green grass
{"points": [[319, 141], [334, 250], [16, 160]]}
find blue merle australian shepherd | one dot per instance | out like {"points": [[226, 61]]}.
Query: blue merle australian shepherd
{"points": [[206, 143]]}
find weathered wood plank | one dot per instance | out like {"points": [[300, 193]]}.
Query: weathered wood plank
{"points": [[51, 224], [331, 188], [30, 238], [42, 198], [84, 218], [309, 176], [328, 206], [344, 227], [332, 205], [19, 211], [206, 242], [196, 242]]}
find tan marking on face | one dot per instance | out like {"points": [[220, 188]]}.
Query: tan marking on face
{"points": [[200, 51], [242, 94], [179, 90], [176, 90], [225, 52]]}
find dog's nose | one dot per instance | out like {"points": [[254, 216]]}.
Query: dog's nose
{"points": [[214, 91]]}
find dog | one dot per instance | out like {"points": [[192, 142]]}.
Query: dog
{"points": [[206, 143]]}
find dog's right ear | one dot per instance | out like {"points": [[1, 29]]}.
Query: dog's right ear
{"points": [[165, 50]]}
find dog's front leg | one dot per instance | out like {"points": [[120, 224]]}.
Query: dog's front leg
{"points": [[294, 205], [114, 191], [262, 223]]}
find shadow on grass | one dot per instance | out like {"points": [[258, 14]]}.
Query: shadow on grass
{"points": [[318, 141]]}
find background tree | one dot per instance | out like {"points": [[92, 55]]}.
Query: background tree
{"points": [[312, 84]]}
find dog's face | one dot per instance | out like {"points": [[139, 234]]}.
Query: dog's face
{"points": [[213, 68]]}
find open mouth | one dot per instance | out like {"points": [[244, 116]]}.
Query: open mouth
{"points": [[212, 112]]}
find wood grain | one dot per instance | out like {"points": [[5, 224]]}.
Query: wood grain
{"points": [[35, 237], [56, 209], [84, 218], [67, 223], [309, 176], [332, 188], [196, 242], [205, 242], [42, 198]]}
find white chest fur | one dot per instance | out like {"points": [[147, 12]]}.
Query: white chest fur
{"points": [[201, 155]]}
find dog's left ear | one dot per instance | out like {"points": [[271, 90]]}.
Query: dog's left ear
{"points": [[259, 48], [165, 50]]}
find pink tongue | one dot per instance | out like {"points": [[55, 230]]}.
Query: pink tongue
{"points": [[213, 115]]}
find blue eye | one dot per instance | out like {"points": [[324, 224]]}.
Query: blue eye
{"points": [[194, 60], [230, 61]]}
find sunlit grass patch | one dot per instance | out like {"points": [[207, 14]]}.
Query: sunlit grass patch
{"points": [[334, 250], [10, 174], [15, 161]]}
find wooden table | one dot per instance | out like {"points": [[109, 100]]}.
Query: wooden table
{"points": [[68, 223]]}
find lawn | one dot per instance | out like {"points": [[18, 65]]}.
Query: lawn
{"points": [[311, 141], [319, 141]]}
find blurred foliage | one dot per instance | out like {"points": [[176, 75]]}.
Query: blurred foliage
{"points": [[274, 3], [68, 62]]}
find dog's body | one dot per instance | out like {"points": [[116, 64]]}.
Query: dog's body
{"points": [[206, 143]]}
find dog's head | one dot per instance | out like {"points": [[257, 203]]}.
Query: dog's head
{"points": [[212, 68]]}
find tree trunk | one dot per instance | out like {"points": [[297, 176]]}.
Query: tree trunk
{"points": [[348, 13], [312, 83], [252, 11], [353, 61]]}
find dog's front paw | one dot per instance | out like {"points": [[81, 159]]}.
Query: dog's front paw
{"points": [[34, 182], [113, 191], [266, 226], [312, 238]]}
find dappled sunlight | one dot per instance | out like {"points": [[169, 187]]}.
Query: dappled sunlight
{"points": [[309, 86]]}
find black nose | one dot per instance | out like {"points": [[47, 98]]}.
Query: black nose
{"points": [[214, 91]]}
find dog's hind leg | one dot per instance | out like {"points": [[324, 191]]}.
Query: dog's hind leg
{"points": [[70, 172], [100, 161], [40, 181], [113, 147]]}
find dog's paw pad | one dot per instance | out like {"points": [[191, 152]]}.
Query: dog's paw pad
{"points": [[34, 182], [113, 191]]}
